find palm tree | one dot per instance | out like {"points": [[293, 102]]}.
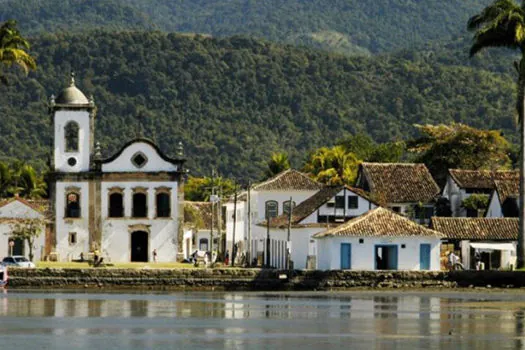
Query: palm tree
{"points": [[502, 24], [278, 163], [332, 166], [13, 49]]}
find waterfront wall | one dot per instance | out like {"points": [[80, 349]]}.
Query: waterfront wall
{"points": [[257, 279]]}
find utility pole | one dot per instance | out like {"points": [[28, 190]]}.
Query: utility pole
{"points": [[289, 238], [234, 223], [249, 245], [212, 201], [219, 217], [268, 240]]}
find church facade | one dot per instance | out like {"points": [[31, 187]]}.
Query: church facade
{"points": [[125, 206]]}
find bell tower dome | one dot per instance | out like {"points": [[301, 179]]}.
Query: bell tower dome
{"points": [[73, 123]]}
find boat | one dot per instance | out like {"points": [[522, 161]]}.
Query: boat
{"points": [[3, 276]]}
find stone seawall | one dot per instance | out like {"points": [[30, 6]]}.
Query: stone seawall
{"points": [[257, 279]]}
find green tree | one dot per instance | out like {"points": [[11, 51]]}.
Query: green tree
{"points": [[278, 163], [332, 166], [366, 149], [442, 147], [199, 189], [502, 24], [13, 49], [28, 230], [5, 180]]}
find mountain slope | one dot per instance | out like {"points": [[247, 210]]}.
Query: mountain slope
{"points": [[349, 26], [234, 101]]}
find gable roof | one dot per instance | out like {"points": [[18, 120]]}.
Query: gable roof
{"points": [[379, 222], [481, 179], [507, 189], [289, 180], [178, 160], [41, 206], [399, 182], [311, 204], [493, 229]]}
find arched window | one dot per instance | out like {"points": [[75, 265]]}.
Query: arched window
{"points": [[71, 136], [116, 205], [140, 205], [72, 205], [163, 205], [272, 209], [286, 206]]}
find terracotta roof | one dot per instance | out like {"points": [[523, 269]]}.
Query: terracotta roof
{"points": [[39, 205], [310, 205], [205, 213], [482, 179], [399, 182], [492, 229], [507, 188], [289, 180], [379, 222]]}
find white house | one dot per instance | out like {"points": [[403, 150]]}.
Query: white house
{"points": [[503, 201], [494, 238], [268, 198], [461, 184], [18, 211], [379, 240], [406, 188], [126, 205], [200, 218], [329, 207]]}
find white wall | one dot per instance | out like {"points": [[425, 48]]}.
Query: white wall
{"points": [[66, 225], [60, 154], [494, 209], [123, 162], [363, 254], [363, 205], [116, 234], [259, 200]]}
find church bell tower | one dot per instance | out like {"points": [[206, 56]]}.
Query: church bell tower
{"points": [[73, 123]]}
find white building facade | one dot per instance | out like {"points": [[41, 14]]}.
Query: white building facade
{"points": [[124, 206], [379, 240]]}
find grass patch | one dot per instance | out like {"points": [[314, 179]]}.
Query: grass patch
{"points": [[130, 265]]}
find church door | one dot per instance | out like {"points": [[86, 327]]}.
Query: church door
{"points": [[139, 246]]}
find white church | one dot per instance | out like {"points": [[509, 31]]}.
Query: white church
{"points": [[125, 206]]}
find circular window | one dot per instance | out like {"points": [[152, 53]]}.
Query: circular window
{"points": [[72, 161]]}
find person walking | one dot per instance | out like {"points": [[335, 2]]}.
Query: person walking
{"points": [[154, 255]]}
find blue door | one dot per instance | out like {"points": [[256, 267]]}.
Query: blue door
{"points": [[346, 256], [424, 257]]}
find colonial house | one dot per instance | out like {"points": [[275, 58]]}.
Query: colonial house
{"points": [[329, 207], [494, 238], [504, 200], [125, 205], [17, 211], [380, 239], [406, 188], [270, 198], [461, 184]]}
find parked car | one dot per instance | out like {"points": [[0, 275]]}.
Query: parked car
{"points": [[17, 261]]}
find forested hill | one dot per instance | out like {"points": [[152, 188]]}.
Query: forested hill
{"points": [[348, 26], [234, 101]]}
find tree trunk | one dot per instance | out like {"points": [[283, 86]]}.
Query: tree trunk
{"points": [[521, 233], [30, 244]]}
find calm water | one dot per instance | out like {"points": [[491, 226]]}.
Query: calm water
{"points": [[361, 320]]}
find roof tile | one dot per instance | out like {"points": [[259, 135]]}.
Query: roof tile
{"points": [[492, 229]]}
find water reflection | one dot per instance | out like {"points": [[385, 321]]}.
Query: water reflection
{"points": [[248, 320]]}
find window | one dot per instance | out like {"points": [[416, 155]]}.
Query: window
{"points": [[116, 205], [163, 205], [353, 202], [139, 159], [340, 202], [286, 207], [140, 205], [272, 208], [72, 205], [203, 244], [72, 238], [330, 204], [396, 209], [71, 136]]}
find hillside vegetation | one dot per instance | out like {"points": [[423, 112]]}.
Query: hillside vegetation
{"points": [[234, 101], [348, 26]]}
